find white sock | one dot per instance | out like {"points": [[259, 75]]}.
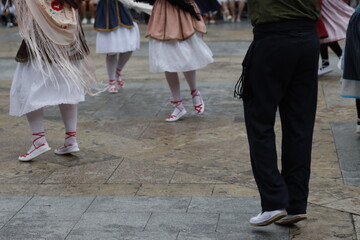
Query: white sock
{"points": [[69, 116], [174, 84], [123, 59], [178, 107], [111, 61], [36, 123], [191, 79]]}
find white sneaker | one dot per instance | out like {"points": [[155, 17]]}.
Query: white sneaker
{"points": [[290, 219], [178, 112], [9, 25], [35, 152], [92, 20], [324, 70], [267, 217], [340, 64], [84, 21], [66, 149]]}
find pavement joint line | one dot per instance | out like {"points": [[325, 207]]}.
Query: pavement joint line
{"points": [[137, 191], [147, 222], [213, 189], [143, 132], [42, 182], [172, 177], [217, 223], [177, 236], [80, 218], [122, 160], [353, 223], [30, 198], [188, 206]]}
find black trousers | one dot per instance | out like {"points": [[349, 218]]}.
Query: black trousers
{"points": [[282, 75]]}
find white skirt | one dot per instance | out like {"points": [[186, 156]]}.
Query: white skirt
{"points": [[179, 56], [31, 90], [118, 41]]}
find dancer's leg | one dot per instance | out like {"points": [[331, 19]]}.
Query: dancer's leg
{"points": [[324, 53], [325, 64], [232, 9], [69, 116], [198, 102], [191, 79], [36, 123], [122, 60], [336, 48], [240, 10], [111, 63], [174, 85], [39, 144]]}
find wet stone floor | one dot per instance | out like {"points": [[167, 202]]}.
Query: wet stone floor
{"points": [[139, 177]]}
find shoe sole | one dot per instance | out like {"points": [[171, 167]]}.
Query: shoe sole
{"points": [[270, 221], [290, 220], [68, 152], [38, 154], [324, 73]]}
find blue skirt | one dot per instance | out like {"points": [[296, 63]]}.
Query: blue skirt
{"points": [[206, 6], [351, 76], [111, 15]]}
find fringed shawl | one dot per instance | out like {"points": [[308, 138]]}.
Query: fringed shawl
{"points": [[53, 36]]}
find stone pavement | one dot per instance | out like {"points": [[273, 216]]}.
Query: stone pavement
{"points": [[138, 177]]}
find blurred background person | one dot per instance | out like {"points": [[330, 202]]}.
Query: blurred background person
{"points": [[350, 87], [335, 15], [208, 9], [88, 4], [237, 12], [8, 13], [225, 10]]}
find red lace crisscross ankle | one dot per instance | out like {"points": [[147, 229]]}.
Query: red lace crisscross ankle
{"points": [[198, 108], [120, 82], [178, 112], [112, 86], [40, 135], [69, 135]]}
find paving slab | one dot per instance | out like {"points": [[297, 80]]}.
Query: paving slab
{"points": [[347, 146], [140, 204], [137, 166], [36, 229], [44, 208], [224, 205], [183, 222]]}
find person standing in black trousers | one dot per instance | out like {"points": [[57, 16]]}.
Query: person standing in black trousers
{"points": [[280, 74]]}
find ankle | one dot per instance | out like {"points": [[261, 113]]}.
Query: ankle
{"points": [[118, 73], [325, 62], [38, 138], [194, 92], [70, 138]]}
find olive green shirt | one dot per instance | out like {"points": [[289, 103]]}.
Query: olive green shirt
{"points": [[268, 11]]}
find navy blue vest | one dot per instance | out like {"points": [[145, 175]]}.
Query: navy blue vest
{"points": [[111, 15]]}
